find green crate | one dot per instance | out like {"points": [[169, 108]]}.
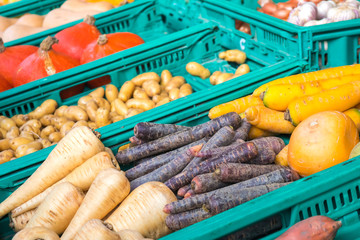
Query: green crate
{"points": [[323, 46], [190, 110]]}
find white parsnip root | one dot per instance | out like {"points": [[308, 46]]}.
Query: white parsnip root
{"points": [[19, 222], [96, 229], [36, 233]]}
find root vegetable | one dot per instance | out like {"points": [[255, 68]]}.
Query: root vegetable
{"points": [[13, 133], [175, 82], [57, 122], [278, 176], [81, 103], [19, 222], [178, 139], [182, 191], [163, 101], [45, 142], [133, 111], [174, 94], [47, 107], [102, 103], [237, 172], [45, 132], [144, 104], [243, 131], [242, 69], [316, 227], [7, 123], [140, 79], [233, 56], [20, 119], [223, 78], [55, 137], [75, 148], [6, 156], [168, 170], [16, 142], [150, 131], [158, 161], [215, 152], [61, 110], [80, 123], [185, 219], [98, 92], [206, 182], [140, 93], [120, 107], [142, 210], [126, 91], [185, 90], [189, 193], [4, 144], [102, 117], [151, 87], [91, 108], [23, 149], [109, 188], [165, 78], [128, 234], [282, 157], [275, 144], [66, 128], [80, 177], [244, 153], [111, 92], [97, 229], [197, 69], [58, 208], [36, 233], [75, 113]]}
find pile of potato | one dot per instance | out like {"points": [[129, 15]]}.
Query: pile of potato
{"points": [[48, 123]]}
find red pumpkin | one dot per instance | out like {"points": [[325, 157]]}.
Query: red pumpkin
{"points": [[43, 63], [73, 40], [11, 57], [106, 45], [4, 85]]}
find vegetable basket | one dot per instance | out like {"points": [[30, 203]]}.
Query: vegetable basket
{"points": [[186, 47], [322, 46]]}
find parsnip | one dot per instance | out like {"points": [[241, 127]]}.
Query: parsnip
{"points": [[36, 233], [96, 229]]}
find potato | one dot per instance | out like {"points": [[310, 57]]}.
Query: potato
{"points": [[234, 55], [185, 90], [111, 92], [242, 69], [47, 107], [214, 76], [176, 82], [34, 123], [120, 107], [80, 123], [165, 78], [57, 122], [31, 150], [92, 125], [7, 123], [55, 137], [99, 92], [174, 94], [4, 144], [151, 88], [140, 79], [133, 112], [20, 119], [45, 142], [35, 131], [46, 120], [140, 93], [3, 132], [102, 102], [83, 100], [61, 110], [197, 69], [163, 101], [158, 98], [45, 132], [16, 142], [26, 134], [66, 128], [6, 156], [13, 132], [91, 108], [75, 113], [117, 118], [102, 117], [22, 150], [126, 91], [223, 78], [144, 104]]}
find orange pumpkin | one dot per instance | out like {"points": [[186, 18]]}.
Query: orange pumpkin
{"points": [[321, 141]]}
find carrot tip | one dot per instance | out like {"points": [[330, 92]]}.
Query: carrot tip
{"points": [[166, 209]]}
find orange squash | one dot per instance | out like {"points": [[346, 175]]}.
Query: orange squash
{"points": [[321, 141]]}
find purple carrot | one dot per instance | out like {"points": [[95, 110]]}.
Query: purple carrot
{"points": [[278, 176], [243, 131], [243, 153], [275, 144], [218, 203], [136, 140], [237, 172], [148, 131], [206, 182], [166, 171], [222, 137], [256, 230], [265, 156], [182, 191], [189, 193], [184, 219], [178, 139], [214, 152], [152, 163]]}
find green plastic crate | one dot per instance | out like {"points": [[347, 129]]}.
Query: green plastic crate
{"points": [[323, 46], [190, 110]]}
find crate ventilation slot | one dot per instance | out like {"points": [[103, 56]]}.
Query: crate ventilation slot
{"points": [[335, 202], [115, 27], [275, 39], [19, 110], [160, 62]]}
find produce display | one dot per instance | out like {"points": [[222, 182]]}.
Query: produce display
{"points": [[206, 160], [311, 12]]}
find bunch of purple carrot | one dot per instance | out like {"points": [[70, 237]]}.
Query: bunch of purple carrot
{"points": [[211, 166]]}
